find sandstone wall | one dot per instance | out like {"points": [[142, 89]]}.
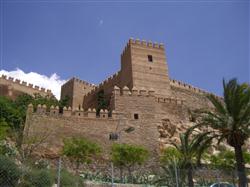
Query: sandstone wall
{"points": [[141, 109], [194, 98], [136, 71], [126, 68], [148, 73], [75, 89], [58, 128], [90, 100], [12, 88], [87, 124]]}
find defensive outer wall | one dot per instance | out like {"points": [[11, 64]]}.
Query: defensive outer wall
{"points": [[11, 88], [140, 95]]}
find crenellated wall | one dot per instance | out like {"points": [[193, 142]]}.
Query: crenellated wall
{"points": [[13, 87], [75, 89], [140, 95], [68, 112], [138, 108], [144, 102], [90, 99], [87, 124], [194, 97], [179, 84]]}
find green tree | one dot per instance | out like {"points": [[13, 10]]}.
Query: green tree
{"points": [[9, 113], [172, 170], [63, 102], [48, 101], [190, 150], [11, 118], [9, 172], [102, 102], [226, 159], [80, 151], [169, 154], [128, 156], [230, 120], [13, 113]]}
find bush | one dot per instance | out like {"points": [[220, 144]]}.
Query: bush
{"points": [[69, 180], [7, 149], [37, 178], [9, 172]]}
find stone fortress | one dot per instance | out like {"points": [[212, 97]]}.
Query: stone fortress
{"points": [[141, 95]]}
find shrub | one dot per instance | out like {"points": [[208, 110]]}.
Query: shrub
{"points": [[9, 172], [68, 179], [80, 150], [37, 178], [7, 149]]}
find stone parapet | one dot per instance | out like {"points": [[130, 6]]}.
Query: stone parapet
{"points": [[17, 82], [67, 112], [125, 91], [82, 82], [183, 85], [143, 43], [170, 100]]}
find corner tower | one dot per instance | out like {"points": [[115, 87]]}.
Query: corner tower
{"points": [[144, 65]]}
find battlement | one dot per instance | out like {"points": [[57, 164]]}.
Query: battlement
{"points": [[68, 112], [106, 85], [109, 80], [183, 85], [14, 81], [143, 43], [142, 92], [81, 81], [125, 91], [180, 84], [171, 100]]}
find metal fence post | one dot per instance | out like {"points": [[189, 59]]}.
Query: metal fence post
{"points": [[59, 172], [112, 174], [176, 173]]}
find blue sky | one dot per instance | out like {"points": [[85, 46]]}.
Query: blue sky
{"points": [[205, 40]]}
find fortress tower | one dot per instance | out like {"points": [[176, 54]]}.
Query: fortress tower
{"points": [[75, 89], [143, 65]]}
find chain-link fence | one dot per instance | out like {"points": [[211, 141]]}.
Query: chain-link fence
{"points": [[59, 172]]}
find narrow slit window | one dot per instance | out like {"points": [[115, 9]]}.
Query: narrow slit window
{"points": [[150, 58], [136, 116]]}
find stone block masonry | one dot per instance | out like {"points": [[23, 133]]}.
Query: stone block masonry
{"points": [[12, 88], [140, 95]]}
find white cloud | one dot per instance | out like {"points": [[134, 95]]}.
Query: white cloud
{"points": [[53, 82]]}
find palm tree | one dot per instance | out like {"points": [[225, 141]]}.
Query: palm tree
{"points": [[191, 148], [230, 120]]}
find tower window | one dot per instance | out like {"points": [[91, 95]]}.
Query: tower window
{"points": [[150, 58], [136, 116]]}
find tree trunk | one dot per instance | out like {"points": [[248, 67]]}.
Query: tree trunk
{"points": [[190, 177], [199, 160], [240, 166]]}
